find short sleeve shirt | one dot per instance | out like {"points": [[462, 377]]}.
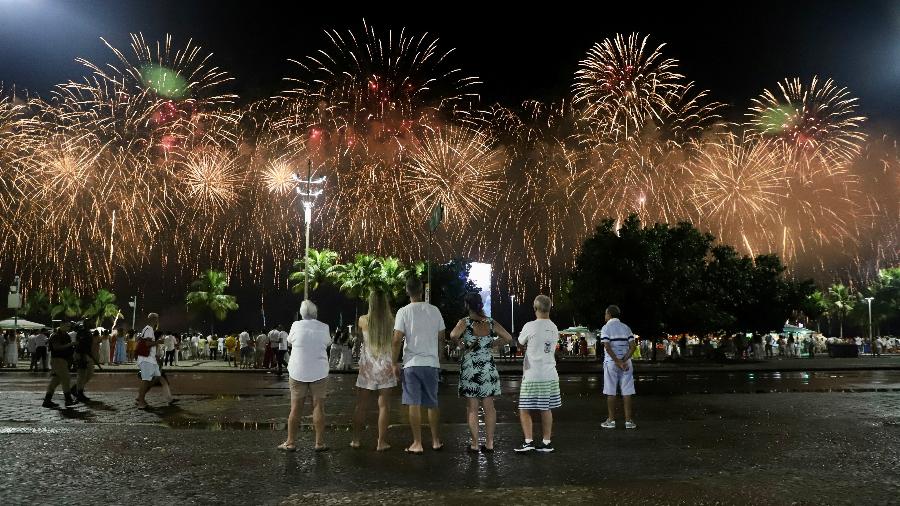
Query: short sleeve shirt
{"points": [[540, 337], [148, 333], [420, 323], [619, 337]]}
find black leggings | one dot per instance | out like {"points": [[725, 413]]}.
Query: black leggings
{"points": [[170, 358]]}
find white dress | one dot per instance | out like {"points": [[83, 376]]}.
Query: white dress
{"points": [[104, 351], [376, 370], [12, 353]]}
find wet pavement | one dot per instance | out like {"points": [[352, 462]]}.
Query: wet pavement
{"points": [[819, 437]]}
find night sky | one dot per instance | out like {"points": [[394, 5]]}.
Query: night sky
{"points": [[735, 51]]}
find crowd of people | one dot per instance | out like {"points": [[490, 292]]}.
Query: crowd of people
{"points": [[403, 348]]}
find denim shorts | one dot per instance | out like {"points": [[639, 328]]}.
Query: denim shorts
{"points": [[420, 386]]}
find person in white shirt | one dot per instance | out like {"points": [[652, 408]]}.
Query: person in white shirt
{"points": [[281, 344], [147, 365], [260, 343], [618, 372], [195, 347], [308, 371], [419, 329], [169, 342], [540, 381], [246, 349]]}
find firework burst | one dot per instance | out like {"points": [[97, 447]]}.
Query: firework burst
{"points": [[623, 84], [814, 121]]}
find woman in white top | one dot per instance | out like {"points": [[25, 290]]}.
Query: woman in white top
{"points": [[376, 373]]}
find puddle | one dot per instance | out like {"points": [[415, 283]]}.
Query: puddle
{"points": [[214, 426]]}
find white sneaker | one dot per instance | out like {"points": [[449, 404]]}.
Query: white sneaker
{"points": [[630, 425], [609, 424]]}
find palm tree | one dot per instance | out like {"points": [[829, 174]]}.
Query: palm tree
{"points": [[816, 307], [37, 305], [321, 263], [841, 301], [102, 307], [208, 295], [68, 304], [358, 278], [391, 276]]}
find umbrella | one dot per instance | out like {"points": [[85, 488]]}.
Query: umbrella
{"points": [[20, 324]]}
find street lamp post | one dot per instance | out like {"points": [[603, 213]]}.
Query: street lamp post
{"points": [[309, 197], [133, 304], [871, 342], [512, 314]]}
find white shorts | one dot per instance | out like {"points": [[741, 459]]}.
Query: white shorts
{"points": [[148, 371], [615, 378]]}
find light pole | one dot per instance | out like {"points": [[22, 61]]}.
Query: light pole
{"points": [[512, 314], [133, 304], [308, 199], [871, 343]]}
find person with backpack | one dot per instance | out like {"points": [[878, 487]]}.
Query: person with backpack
{"points": [[148, 367]]}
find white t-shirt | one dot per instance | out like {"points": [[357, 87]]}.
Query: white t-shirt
{"points": [[420, 323], [169, 341], [40, 340], [195, 340], [221, 344], [273, 337], [540, 336], [244, 338], [282, 340], [261, 342], [309, 360], [148, 333], [619, 337]]}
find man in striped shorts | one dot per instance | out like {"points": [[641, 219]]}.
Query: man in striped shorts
{"points": [[618, 373]]}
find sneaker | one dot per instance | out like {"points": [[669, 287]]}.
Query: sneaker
{"points": [[49, 404], [545, 448], [630, 425], [609, 424], [526, 447]]}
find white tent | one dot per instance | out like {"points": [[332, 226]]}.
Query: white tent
{"points": [[20, 324]]}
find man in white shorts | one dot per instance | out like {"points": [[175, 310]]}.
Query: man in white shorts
{"points": [[618, 372], [147, 364]]}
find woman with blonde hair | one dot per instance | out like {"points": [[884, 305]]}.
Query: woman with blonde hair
{"points": [[376, 371]]}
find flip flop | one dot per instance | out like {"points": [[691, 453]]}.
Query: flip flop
{"points": [[320, 449], [411, 452], [286, 448], [438, 448]]}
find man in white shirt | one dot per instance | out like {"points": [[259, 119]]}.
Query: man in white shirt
{"points": [[275, 343], [147, 364], [246, 350], [419, 328], [539, 390], [308, 370], [195, 347], [618, 372], [261, 341], [40, 350], [169, 342]]}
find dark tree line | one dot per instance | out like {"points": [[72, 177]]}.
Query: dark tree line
{"points": [[675, 279]]}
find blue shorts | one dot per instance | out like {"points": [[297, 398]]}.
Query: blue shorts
{"points": [[420, 386]]}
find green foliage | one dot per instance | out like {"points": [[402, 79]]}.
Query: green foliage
{"points": [[841, 302], [102, 306], [68, 305], [673, 279], [321, 265], [208, 295]]}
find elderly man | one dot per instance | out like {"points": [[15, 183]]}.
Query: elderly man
{"points": [[419, 328], [148, 366], [618, 372], [308, 371]]}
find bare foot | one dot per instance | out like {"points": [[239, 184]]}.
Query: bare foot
{"points": [[415, 447], [355, 444], [383, 447]]}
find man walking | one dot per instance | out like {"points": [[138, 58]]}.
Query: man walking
{"points": [[148, 366], [419, 330], [62, 349], [86, 351], [618, 372]]}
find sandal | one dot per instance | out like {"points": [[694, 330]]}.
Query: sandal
{"points": [[414, 452], [286, 447]]}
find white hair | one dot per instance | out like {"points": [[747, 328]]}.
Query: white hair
{"points": [[308, 310]]}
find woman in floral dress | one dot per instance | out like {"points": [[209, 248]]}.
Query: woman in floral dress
{"points": [[376, 368], [479, 381]]}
